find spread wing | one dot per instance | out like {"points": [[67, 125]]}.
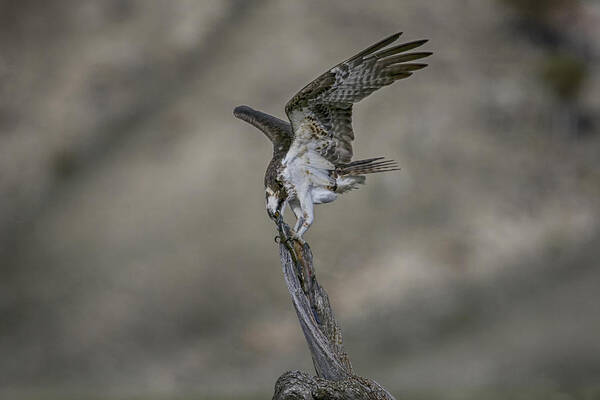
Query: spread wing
{"points": [[276, 130], [321, 113]]}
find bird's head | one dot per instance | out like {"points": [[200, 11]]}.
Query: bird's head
{"points": [[275, 200]]}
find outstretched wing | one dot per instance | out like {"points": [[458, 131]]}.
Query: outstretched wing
{"points": [[321, 113], [276, 130]]}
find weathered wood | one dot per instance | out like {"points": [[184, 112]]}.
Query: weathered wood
{"points": [[296, 385], [335, 378]]}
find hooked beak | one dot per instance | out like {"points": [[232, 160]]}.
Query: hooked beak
{"points": [[275, 207]]}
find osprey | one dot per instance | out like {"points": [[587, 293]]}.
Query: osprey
{"points": [[311, 161]]}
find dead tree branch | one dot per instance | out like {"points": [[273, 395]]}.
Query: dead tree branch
{"points": [[335, 378]]}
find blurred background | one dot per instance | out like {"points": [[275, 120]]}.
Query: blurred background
{"points": [[136, 257]]}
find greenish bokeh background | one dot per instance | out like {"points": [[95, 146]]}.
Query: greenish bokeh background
{"points": [[136, 257]]}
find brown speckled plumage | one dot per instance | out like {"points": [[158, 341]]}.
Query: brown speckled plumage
{"points": [[328, 99], [315, 150]]}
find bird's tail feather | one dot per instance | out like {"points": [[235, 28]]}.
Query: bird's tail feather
{"points": [[346, 183], [368, 166]]}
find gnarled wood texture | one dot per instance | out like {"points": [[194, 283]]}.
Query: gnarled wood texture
{"points": [[335, 378]]}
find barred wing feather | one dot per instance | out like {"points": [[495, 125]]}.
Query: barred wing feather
{"points": [[322, 111]]}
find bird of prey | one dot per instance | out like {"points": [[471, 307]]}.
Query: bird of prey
{"points": [[312, 154]]}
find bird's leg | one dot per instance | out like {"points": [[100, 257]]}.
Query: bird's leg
{"points": [[282, 209], [308, 215], [299, 223], [277, 217], [297, 210]]}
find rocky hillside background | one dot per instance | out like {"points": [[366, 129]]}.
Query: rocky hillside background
{"points": [[136, 258]]}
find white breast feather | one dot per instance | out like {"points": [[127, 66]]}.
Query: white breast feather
{"points": [[305, 168]]}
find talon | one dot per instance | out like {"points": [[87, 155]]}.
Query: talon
{"points": [[277, 239], [299, 239]]}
